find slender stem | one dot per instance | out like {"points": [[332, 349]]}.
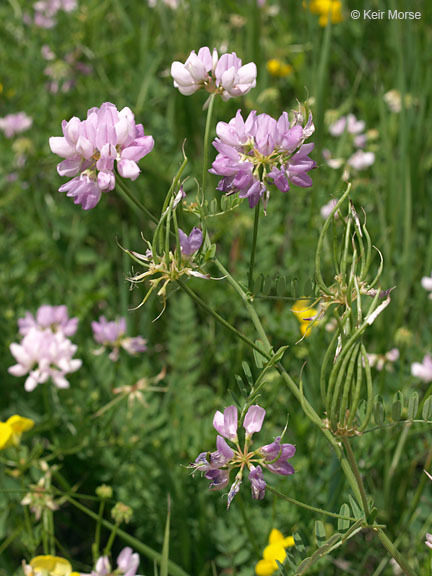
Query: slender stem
{"points": [[45, 530], [308, 507], [249, 307], [248, 525], [4, 545], [51, 533], [98, 531], [354, 467], [394, 552], [219, 318], [206, 145], [135, 201], [111, 539], [253, 251], [173, 569]]}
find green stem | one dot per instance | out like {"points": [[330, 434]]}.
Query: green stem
{"points": [[354, 467], [173, 569], [111, 539], [135, 201], [45, 529], [394, 552], [96, 544], [6, 543], [248, 525], [308, 507], [219, 318], [206, 145], [253, 251]]}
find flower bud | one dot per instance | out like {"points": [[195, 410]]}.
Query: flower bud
{"points": [[104, 492], [121, 513]]}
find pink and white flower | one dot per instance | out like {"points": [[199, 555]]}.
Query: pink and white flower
{"points": [[91, 149], [43, 355], [113, 335], [54, 317], [15, 124], [423, 370], [225, 75]]}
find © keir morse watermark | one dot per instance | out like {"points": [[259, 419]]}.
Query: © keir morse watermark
{"points": [[384, 15]]}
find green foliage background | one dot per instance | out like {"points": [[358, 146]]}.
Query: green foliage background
{"points": [[53, 252]]}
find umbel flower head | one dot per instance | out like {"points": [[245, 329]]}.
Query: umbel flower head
{"points": [[54, 317], [44, 355], [15, 124], [127, 564], [423, 370], [225, 75], [92, 148], [275, 551], [113, 335], [12, 430], [217, 466], [261, 151]]}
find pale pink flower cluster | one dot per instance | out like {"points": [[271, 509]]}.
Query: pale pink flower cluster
{"points": [[63, 72], [360, 159], [93, 147], [127, 564], [15, 124], [327, 209], [45, 351], [380, 361], [423, 370], [113, 335], [225, 75], [46, 11]]}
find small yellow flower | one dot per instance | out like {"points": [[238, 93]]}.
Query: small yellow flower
{"points": [[327, 9], [5, 435], [274, 551], [305, 314], [278, 68], [49, 566], [12, 430]]}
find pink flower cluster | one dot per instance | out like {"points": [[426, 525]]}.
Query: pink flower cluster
{"points": [[62, 73], [423, 370], [15, 124], [261, 151], [360, 159], [113, 335], [217, 466], [91, 149], [46, 10], [45, 351], [127, 564], [225, 75]]}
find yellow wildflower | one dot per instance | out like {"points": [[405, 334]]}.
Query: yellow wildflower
{"points": [[278, 68], [326, 9], [305, 314], [12, 430], [274, 551], [49, 566]]}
